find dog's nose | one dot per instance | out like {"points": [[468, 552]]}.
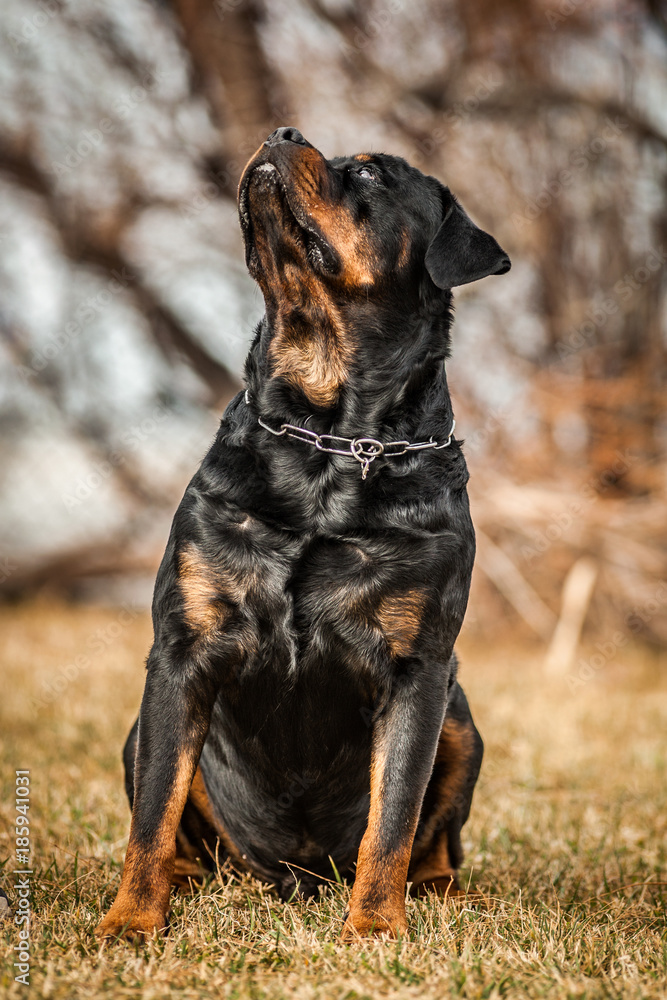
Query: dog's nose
{"points": [[285, 134]]}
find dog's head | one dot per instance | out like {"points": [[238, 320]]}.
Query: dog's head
{"points": [[348, 242]]}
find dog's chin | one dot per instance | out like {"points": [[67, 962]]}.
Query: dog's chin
{"points": [[262, 192]]}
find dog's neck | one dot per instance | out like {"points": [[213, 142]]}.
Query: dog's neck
{"points": [[395, 381]]}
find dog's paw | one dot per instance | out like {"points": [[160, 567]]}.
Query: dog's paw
{"points": [[124, 923], [361, 924]]}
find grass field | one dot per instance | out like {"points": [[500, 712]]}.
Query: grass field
{"points": [[567, 841]]}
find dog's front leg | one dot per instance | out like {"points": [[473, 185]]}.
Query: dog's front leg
{"points": [[173, 723], [405, 738]]}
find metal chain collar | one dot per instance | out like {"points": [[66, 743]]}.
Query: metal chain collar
{"points": [[364, 449]]}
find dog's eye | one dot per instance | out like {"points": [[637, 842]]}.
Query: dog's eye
{"points": [[367, 173]]}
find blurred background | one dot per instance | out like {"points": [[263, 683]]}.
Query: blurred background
{"points": [[126, 310]]}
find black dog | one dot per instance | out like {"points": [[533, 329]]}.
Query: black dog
{"points": [[301, 704]]}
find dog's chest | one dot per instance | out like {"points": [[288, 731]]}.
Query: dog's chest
{"points": [[366, 600], [275, 601]]}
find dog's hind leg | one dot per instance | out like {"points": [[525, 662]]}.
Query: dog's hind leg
{"points": [[437, 852]]}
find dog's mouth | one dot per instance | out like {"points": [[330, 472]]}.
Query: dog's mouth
{"points": [[262, 190]]}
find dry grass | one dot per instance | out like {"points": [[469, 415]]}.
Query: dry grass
{"points": [[567, 841]]}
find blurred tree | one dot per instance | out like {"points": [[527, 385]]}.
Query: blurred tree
{"points": [[125, 301]]}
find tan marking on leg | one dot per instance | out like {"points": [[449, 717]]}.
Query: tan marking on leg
{"points": [[435, 873], [399, 617], [200, 799], [195, 847], [431, 867], [187, 872], [142, 903], [377, 903], [185, 849]]}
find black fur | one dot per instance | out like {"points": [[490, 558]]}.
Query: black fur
{"points": [[303, 655]]}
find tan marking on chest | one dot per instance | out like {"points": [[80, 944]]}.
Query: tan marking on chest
{"points": [[399, 617], [209, 591], [316, 358], [204, 607], [310, 367]]}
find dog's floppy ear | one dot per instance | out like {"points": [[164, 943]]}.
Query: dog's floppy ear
{"points": [[461, 252]]}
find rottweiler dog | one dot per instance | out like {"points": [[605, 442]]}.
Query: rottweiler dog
{"points": [[301, 715]]}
